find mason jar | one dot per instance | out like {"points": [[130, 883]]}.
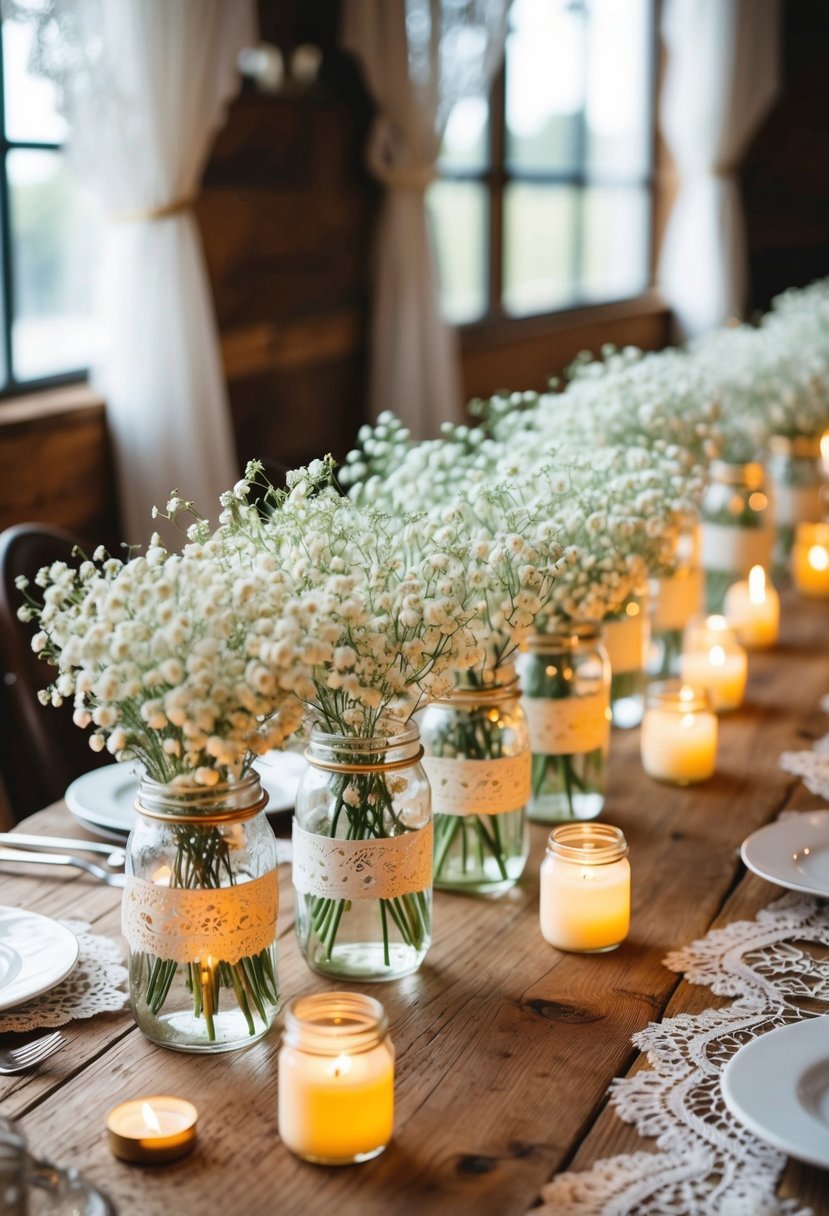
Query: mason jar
{"points": [[795, 473], [362, 843], [199, 914], [737, 527], [478, 762], [336, 1078], [626, 639], [584, 902], [565, 681], [674, 599]]}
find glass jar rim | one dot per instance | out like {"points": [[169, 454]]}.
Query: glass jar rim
{"points": [[749, 473], [710, 629], [678, 696], [400, 748], [566, 635], [589, 844], [334, 1023], [184, 801], [487, 694]]}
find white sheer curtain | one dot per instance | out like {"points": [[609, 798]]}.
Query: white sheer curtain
{"points": [[143, 84], [418, 57], [722, 75]]}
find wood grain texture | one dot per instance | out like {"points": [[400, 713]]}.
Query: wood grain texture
{"points": [[505, 1047]]}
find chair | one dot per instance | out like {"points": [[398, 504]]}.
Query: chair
{"points": [[41, 749]]}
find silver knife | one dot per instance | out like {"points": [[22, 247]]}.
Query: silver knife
{"points": [[22, 857], [115, 854]]}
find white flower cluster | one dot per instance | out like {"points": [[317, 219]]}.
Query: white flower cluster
{"points": [[160, 655]]}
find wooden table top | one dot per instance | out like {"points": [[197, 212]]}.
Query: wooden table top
{"points": [[505, 1047]]}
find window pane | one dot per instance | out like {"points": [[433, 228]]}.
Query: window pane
{"points": [[30, 100], [545, 84], [618, 103], [465, 138], [539, 244], [458, 211], [54, 243], [616, 242]]}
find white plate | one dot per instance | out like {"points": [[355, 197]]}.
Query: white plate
{"points": [[35, 954], [794, 852], [778, 1086], [103, 799]]}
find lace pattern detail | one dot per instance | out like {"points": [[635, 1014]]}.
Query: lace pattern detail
{"points": [[812, 767], [675, 600], [97, 984], [624, 639], [569, 726], [382, 868], [479, 787], [176, 923]]}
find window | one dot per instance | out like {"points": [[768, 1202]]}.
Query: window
{"points": [[543, 198], [48, 232]]}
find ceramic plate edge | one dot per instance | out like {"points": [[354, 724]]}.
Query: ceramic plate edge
{"points": [[53, 983]]}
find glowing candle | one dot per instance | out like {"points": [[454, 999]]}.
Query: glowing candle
{"points": [[152, 1131], [713, 659], [585, 888], [824, 453], [810, 560], [679, 734], [752, 609], [336, 1078]]}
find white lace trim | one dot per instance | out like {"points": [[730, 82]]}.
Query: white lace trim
{"points": [[625, 640], [812, 767], [479, 787], [176, 923], [675, 600], [568, 726], [380, 868], [706, 1161], [734, 550], [97, 984]]}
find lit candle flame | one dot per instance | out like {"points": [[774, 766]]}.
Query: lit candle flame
{"points": [[716, 656], [686, 693], [162, 876], [824, 447], [717, 623], [687, 721], [818, 558], [340, 1066], [150, 1118], [757, 585]]}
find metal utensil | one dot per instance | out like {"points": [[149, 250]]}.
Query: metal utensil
{"points": [[115, 856], [20, 1059], [21, 856]]}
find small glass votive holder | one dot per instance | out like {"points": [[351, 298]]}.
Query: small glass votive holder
{"points": [[713, 659], [336, 1078], [585, 888], [810, 560], [679, 733]]}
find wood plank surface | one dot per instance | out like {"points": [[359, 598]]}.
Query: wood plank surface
{"points": [[505, 1047]]}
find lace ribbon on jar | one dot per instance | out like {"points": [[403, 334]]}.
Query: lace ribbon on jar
{"points": [[382, 868]]}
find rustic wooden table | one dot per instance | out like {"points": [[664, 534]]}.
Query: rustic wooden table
{"points": [[505, 1047]]}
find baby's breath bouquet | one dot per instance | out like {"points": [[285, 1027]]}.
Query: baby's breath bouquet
{"points": [[162, 657]]}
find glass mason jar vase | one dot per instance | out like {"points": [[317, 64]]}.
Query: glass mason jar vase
{"points": [[565, 678], [626, 638], [199, 915], [478, 761], [795, 472], [363, 855], [674, 599], [737, 527]]}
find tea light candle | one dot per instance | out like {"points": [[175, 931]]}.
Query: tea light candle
{"points": [[585, 888], [336, 1078], [152, 1131], [679, 734], [713, 658], [752, 609], [810, 560]]}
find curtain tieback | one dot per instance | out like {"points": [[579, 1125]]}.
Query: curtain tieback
{"points": [[176, 206]]}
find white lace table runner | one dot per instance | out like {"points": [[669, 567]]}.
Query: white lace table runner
{"points": [[97, 984]]}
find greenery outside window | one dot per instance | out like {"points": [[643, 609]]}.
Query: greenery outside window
{"points": [[543, 200]]}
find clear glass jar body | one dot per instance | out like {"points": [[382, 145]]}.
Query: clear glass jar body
{"points": [[478, 762], [204, 857], [674, 599], [795, 473], [565, 681], [336, 1078], [363, 855], [679, 733], [626, 639], [737, 527], [584, 904], [713, 659]]}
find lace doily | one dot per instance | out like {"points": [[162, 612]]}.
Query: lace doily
{"points": [[96, 985], [706, 1161], [812, 767], [379, 868]]}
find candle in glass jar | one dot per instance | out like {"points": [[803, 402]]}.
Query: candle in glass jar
{"points": [[152, 1131], [713, 659], [585, 888], [679, 733], [810, 560], [336, 1078], [752, 609]]}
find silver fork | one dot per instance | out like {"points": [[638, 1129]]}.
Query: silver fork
{"points": [[20, 1059], [61, 859]]}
